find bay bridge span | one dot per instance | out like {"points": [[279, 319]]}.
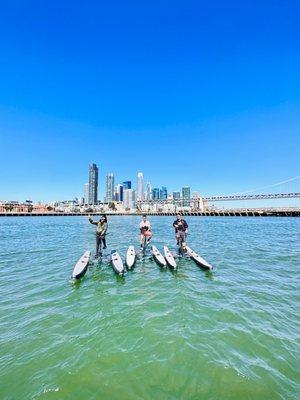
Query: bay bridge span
{"points": [[208, 205], [226, 198], [254, 197], [287, 189]]}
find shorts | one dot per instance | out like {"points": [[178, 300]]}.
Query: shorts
{"points": [[147, 233], [180, 235]]}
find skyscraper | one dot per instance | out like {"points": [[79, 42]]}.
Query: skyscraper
{"points": [[163, 193], [120, 189], [110, 183], [116, 196], [140, 187], [129, 199], [186, 196], [86, 193], [127, 185], [155, 194], [93, 184], [148, 191], [176, 198]]}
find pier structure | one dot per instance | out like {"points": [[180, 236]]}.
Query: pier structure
{"points": [[234, 212]]}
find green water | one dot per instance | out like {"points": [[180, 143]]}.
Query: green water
{"points": [[232, 334]]}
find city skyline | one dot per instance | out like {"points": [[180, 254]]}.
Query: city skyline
{"points": [[158, 193], [186, 193], [116, 192]]}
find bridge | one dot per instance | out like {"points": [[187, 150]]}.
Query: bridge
{"points": [[285, 190], [223, 198], [254, 197]]}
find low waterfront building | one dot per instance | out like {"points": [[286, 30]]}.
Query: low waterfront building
{"points": [[168, 207], [23, 208], [146, 208]]}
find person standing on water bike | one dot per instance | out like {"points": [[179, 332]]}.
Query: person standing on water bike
{"points": [[145, 229], [181, 229], [100, 234]]}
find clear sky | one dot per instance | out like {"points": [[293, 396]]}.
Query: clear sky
{"points": [[199, 93]]}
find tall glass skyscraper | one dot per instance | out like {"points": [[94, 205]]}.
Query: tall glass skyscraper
{"points": [[186, 196], [140, 187], [116, 196], [93, 184], [129, 199], [148, 191], [155, 194], [127, 185], [120, 189], [176, 198], [163, 193], [86, 193], [110, 185]]}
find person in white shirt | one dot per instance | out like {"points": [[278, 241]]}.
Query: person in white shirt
{"points": [[145, 229]]}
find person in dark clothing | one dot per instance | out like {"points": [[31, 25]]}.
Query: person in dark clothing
{"points": [[100, 234], [181, 229]]}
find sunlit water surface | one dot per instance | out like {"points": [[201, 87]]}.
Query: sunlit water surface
{"points": [[154, 334]]}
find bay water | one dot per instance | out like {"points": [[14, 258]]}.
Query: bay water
{"points": [[153, 334]]}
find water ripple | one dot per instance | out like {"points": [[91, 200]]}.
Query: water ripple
{"points": [[230, 334]]}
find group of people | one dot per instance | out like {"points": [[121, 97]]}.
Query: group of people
{"points": [[180, 225]]}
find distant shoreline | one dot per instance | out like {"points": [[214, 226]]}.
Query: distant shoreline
{"points": [[231, 213]]}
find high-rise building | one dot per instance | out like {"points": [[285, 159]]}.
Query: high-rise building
{"points": [[110, 184], [140, 187], [93, 184], [120, 189], [86, 193], [129, 199], [148, 191], [186, 196], [116, 197], [163, 193], [127, 185], [155, 194], [197, 201], [176, 196]]}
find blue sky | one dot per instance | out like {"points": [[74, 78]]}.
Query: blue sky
{"points": [[193, 93]]}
